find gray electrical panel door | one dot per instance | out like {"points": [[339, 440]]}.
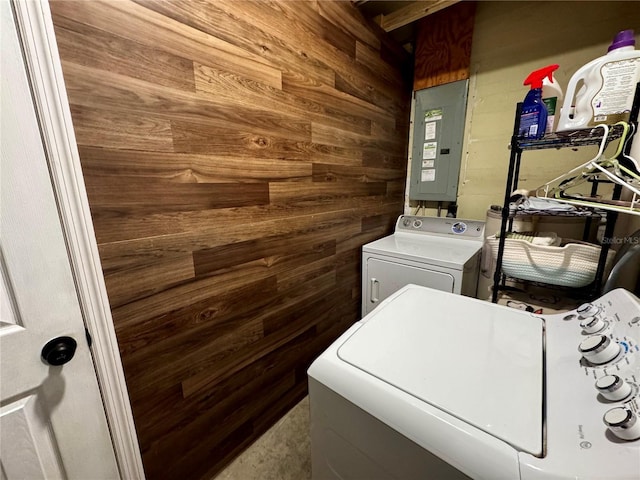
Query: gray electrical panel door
{"points": [[438, 129]]}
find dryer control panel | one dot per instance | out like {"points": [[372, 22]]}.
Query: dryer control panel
{"points": [[441, 226]]}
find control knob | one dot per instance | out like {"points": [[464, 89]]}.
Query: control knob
{"points": [[599, 349], [613, 388], [592, 324], [623, 423], [587, 310]]}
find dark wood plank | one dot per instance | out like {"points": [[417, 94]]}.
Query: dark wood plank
{"points": [[318, 308], [271, 250], [204, 341], [144, 26], [367, 56], [112, 128], [200, 437], [280, 17], [375, 221], [133, 315], [244, 24], [92, 88], [189, 325], [329, 95], [384, 159], [313, 193], [80, 42], [333, 154], [316, 28], [213, 83], [323, 172], [282, 22], [329, 135], [125, 285], [349, 20], [136, 195], [189, 137], [351, 85], [108, 165], [395, 188], [145, 234]]}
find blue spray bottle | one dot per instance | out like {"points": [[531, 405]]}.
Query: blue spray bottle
{"points": [[533, 116]]}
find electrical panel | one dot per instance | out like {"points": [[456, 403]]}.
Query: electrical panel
{"points": [[438, 129]]}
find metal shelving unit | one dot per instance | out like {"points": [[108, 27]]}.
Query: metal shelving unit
{"points": [[569, 139]]}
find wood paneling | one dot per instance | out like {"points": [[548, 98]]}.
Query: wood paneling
{"points": [[237, 155], [443, 47], [412, 12]]}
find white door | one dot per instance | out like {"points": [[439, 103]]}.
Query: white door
{"points": [[383, 278], [52, 421]]}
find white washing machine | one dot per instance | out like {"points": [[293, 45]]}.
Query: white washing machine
{"points": [[436, 252], [433, 385]]}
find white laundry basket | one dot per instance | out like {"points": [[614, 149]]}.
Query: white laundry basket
{"points": [[572, 265]]}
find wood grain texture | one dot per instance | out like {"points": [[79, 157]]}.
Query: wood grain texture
{"points": [[412, 12], [237, 155], [443, 46]]}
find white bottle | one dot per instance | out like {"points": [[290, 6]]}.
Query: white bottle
{"points": [[552, 98], [607, 93]]}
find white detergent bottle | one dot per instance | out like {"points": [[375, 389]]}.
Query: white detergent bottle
{"points": [[609, 85], [552, 98]]}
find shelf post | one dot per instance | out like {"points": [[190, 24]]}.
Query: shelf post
{"points": [[514, 165]]}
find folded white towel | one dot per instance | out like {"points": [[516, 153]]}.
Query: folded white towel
{"points": [[535, 203]]}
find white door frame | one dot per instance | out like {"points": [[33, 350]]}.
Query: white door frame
{"points": [[35, 26]]}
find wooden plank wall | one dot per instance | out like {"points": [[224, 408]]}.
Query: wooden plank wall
{"points": [[236, 155]]}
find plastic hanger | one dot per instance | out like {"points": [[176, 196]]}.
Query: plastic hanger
{"points": [[623, 139], [599, 168], [575, 176], [614, 160], [630, 207], [630, 162], [618, 170]]}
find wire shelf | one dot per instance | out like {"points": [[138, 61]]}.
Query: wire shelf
{"points": [[570, 138], [582, 212]]}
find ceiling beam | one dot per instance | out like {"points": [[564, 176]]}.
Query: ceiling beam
{"points": [[411, 13]]}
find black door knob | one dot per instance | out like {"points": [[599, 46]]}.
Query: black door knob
{"points": [[59, 350]]}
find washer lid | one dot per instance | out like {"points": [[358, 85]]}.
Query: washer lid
{"points": [[478, 361]]}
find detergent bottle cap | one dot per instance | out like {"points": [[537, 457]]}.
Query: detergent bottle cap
{"points": [[623, 39], [535, 78]]}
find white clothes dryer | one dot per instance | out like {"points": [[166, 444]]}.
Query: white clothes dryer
{"points": [[432, 385], [436, 252]]}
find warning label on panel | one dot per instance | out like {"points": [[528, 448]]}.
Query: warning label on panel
{"points": [[428, 175], [429, 150], [430, 130], [428, 163]]}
